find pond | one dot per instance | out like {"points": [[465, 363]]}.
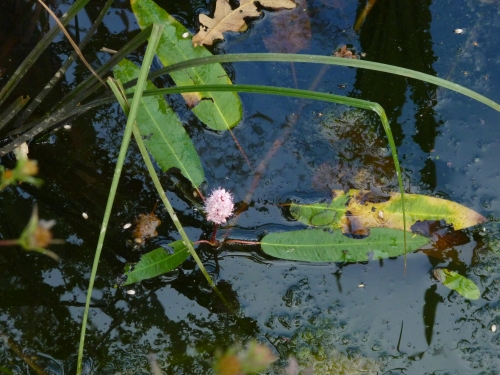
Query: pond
{"points": [[386, 316]]}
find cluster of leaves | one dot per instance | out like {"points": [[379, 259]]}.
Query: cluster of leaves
{"points": [[171, 147]]}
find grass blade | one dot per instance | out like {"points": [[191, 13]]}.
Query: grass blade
{"points": [[62, 70], [67, 110], [12, 110], [148, 58], [88, 86], [152, 172], [38, 50], [328, 60]]}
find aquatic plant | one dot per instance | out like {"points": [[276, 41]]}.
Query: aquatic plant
{"points": [[219, 206], [316, 353], [200, 94]]}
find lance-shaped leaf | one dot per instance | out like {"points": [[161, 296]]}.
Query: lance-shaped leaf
{"points": [[457, 282], [218, 110], [164, 135], [316, 245], [227, 19], [389, 214], [157, 262]]}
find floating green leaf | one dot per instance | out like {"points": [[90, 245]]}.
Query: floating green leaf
{"points": [[164, 135], [316, 245], [321, 214], [388, 214], [458, 283], [157, 262], [220, 110]]}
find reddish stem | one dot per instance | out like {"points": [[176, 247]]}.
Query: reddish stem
{"points": [[213, 240], [9, 242]]}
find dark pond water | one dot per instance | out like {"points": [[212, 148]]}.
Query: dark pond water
{"points": [[398, 323]]}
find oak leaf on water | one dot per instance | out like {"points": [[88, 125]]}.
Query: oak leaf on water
{"points": [[227, 19]]}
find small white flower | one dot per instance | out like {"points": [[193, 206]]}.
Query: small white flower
{"points": [[219, 206]]}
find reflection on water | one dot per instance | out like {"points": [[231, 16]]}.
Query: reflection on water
{"points": [[398, 33]]}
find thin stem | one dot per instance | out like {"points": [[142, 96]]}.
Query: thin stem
{"points": [[73, 44], [214, 234], [9, 242], [241, 242]]}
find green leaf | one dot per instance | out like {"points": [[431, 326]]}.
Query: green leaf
{"points": [[458, 283], [164, 135], [315, 245], [389, 214], [321, 214], [157, 262], [221, 110]]}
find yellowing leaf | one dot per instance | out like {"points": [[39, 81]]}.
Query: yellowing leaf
{"points": [[419, 207], [227, 19], [353, 212]]}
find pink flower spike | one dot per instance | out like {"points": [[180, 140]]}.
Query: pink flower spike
{"points": [[219, 206]]}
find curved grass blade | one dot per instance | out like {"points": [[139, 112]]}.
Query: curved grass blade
{"points": [[121, 97], [315, 59], [316, 245], [165, 136], [157, 262]]}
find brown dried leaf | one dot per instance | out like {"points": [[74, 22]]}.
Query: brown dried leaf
{"points": [[146, 227], [291, 30], [227, 19], [345, 53]]}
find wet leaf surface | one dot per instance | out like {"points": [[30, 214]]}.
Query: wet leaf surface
{"points": [[157, 262], [164, 134], [359, 212], [218, 110], [458, 283], [315, 245], [227, 19]]}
